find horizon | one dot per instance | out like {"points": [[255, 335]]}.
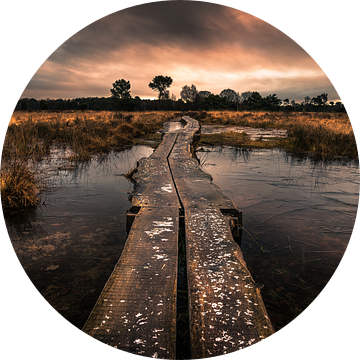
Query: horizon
{"points": [[155, 98], [211, 46]]}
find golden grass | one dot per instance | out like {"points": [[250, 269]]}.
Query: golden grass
{"points": [[20, 117], [30, 136], [338, 122], [84, 132], [19, 185], [323, 134]]}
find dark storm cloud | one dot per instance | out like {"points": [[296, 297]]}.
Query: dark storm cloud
{"points": [[189, 26], [212, 46]]}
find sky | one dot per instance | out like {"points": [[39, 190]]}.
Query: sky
{"points": [[211, 46]]}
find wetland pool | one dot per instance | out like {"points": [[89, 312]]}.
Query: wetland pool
{"points": [[298, 216]]}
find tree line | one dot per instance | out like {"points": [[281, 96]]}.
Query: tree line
{"points": [[190, 99]]}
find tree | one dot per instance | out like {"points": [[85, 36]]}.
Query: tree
{"points": [[204, 94], [24, 105], [43, 105], [320, 100], [271, 102], [173, 99], [229, 95], [241, 99], [215, 102], [188, 93], [159, 84], [121, 89], [245, 95], [254, 101], [165, 95], [307, 99]]}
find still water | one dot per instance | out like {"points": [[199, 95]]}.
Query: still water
{"points": [[70, 244], [298, 215], [253, 133]]}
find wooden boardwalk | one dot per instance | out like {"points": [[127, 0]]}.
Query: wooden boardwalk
{"points": [[136, 310]]}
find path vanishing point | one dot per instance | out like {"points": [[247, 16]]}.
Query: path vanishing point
{"points": [[137, 309]]}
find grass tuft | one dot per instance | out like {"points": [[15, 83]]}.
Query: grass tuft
{"points": [[323, 134], [31, 135]]}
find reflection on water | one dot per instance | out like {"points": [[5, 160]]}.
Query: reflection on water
{"points": [[69, 245], [171, 126], [298, 215], [254, 133]]}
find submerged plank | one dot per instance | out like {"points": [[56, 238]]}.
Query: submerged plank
{"points": [[136, 310]]}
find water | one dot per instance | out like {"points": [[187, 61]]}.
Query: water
{"points": [[70, 244], [298, 215], [172, 126], [253, 133]]}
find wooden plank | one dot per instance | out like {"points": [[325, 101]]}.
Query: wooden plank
{"points": [[226, 308], [154, 180], [136, 310]]}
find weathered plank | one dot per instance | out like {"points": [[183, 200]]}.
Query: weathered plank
{"points": [[225, 306], [136, 310], [154, 181], [226, 309]]}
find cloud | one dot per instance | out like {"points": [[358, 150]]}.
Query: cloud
{"points": [[211, 46]]}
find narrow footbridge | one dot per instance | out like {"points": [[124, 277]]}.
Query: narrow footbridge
{"points": [[137, 309]]}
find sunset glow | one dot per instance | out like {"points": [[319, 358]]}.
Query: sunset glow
{"points": [[211, 46]]}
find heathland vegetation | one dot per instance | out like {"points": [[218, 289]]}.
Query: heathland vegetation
{"points": [[325, 135], [190, 99], [32, 135]]}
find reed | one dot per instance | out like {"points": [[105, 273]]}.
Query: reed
{"points": [[323, 134], [19, 184], [31, 135], [85, 133]]}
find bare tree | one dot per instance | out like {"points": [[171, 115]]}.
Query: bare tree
{"points": [[204, 94], [173, 99], [189, 93], [229, 94], [165, 95], [245, 95]]}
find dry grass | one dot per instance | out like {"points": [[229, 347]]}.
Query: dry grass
{"points": [[323, 134], [19, 185], [238, 140], [30, 136], [85, 133], [337, 122]]}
